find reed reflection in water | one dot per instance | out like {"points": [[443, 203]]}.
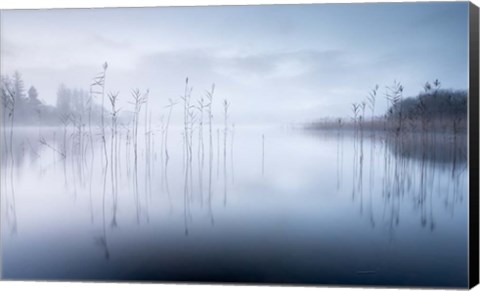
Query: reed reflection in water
{"points": [[309, 199]]}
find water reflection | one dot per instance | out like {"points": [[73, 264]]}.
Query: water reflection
{"points": [[413, 172], [101, 240], [368, 186]]}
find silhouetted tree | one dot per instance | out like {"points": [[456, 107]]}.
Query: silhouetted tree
{"points": [[33, 97]]}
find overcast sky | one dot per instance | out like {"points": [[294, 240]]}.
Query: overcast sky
{"points": [[275, 64]]}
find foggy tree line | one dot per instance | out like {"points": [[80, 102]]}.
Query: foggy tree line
{"points": [[31, 109], [433, 103], [434, 109]]}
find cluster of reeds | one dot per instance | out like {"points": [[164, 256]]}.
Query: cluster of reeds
{"points": [[79, 139], [401, 142], [97, 88], [9, 97]]}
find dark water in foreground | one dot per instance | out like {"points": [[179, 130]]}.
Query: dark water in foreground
{"points": [[318, 208]]}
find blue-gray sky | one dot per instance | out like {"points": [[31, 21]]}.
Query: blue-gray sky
{"points": [[275, 64]]}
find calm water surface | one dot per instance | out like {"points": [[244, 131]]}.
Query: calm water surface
{"points": [[295, 207]]}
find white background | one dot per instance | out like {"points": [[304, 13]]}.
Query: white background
{"points": [[9, 4]]}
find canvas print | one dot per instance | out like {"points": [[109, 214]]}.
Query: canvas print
{"points": [[320, 144]]}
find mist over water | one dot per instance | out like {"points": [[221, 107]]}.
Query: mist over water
{"points": [[265, 205], [294, 144]]}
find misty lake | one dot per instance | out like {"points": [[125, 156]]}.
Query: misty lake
{"points": [[275, 205]]}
